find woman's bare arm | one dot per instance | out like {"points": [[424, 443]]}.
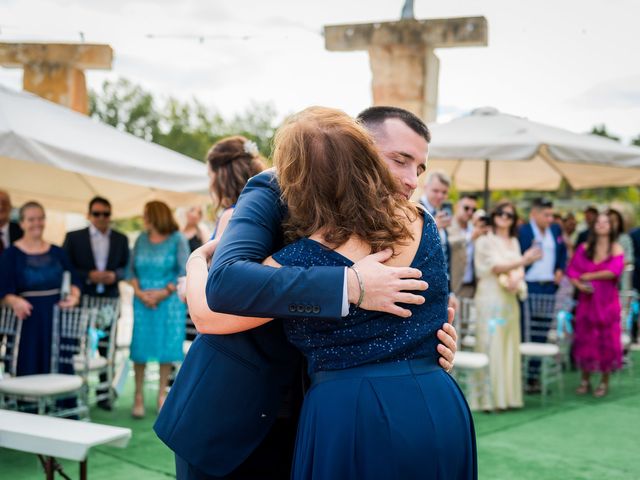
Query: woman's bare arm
{"points": [[206, 320]]}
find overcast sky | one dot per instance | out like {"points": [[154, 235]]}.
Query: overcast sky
{"points": [[570, 63]]}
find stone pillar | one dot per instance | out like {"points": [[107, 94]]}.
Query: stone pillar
{"points": [[402, 58], [56, 71]]}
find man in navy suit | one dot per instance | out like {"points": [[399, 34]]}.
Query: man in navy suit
{"points": [[100, 256], [635, 238], [544, 275], [232, 411], [9, 231], [436, 192]]}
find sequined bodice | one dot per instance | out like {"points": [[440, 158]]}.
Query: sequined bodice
{"points": [[364, 336]]}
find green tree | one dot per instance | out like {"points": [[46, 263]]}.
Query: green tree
{"points": [[601, 130], [127, 107], [186, 127]]}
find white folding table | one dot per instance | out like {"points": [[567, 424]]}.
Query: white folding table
{"points": [[51, 437]]}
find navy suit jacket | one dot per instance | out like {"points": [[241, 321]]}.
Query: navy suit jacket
{"points": [[230, 387], [635, 237], [15, 232], [78, 247], [525, 237]]}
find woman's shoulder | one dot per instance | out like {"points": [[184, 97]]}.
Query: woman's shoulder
{"points": [[306, 252], [485, 240], [617, 249]]}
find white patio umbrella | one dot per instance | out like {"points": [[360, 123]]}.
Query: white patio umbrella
{"points": [[62, 158], [488, 150]]}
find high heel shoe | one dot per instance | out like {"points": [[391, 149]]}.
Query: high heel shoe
{"points": [[584, 388], [601, 391], [138, 407]]}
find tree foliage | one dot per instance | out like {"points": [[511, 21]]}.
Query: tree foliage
{"points": [[187, 127]]}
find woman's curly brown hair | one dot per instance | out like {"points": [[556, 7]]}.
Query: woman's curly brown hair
{"points": [[232, 166], [335, 182]]}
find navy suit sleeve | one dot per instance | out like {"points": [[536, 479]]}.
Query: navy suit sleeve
{"points": [[239, 284], [71, 250], [525, 238], [123, 263], [561, 248]]}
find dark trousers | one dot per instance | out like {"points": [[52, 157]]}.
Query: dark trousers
{"points": [[540, 335], [270, 461]]}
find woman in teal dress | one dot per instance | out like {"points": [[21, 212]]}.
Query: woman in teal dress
{"points": [[158, 259]]}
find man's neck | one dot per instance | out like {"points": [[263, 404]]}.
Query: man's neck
{"points": [[462, 222], [541, 229], [100, 229]]}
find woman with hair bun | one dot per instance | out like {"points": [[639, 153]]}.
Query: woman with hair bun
{"points": [[231, 162]]}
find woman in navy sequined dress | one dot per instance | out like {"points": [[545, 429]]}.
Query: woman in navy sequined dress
{"points": [[379, 407]]}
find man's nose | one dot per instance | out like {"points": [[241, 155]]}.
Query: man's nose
{"points": [[411, 181]]}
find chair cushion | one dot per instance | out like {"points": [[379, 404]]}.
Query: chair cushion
{"points": [[471, 360], [532, 349], [625, 339], [40, 385], [95, 363]]}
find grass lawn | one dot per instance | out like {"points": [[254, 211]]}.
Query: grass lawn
{"points": [[570, 438]]}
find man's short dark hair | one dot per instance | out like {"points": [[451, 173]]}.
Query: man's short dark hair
{"points": [[470, 196], [592, 209], [373, 117], [540, 202], [101, 200]]}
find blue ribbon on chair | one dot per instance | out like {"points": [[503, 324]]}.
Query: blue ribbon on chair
{"points": [[564, 319], [494, 323], [633, 313], [95, 334]]}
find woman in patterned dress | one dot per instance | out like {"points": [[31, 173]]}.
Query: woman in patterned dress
{"points": [[157, 260]]}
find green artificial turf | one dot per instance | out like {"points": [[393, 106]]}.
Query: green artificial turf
{"points": [[570, 438]]}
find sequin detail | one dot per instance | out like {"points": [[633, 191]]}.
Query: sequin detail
{"points": [[364, 336]]}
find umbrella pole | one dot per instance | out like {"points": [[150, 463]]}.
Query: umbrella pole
{"points": [[486, 185]]}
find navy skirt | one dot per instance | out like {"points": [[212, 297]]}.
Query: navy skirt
{"points": [[402, 420]]}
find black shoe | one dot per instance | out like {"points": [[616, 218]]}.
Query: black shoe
{"points": [[105, 405]]}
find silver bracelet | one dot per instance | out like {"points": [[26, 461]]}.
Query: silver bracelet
{"points": [[360, 284]]}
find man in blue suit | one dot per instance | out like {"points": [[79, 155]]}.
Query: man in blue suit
{"points": [[544, 275], [635, 238], [232, 411]]}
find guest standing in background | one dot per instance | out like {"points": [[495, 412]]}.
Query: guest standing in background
{"points": [[463, 229], [594, 271], [569, 235], [499, 266], [9, 231], [193, 231], [619, 226], [544, 275], [435, 194], [590, 217], [100, 256], [635, 238], [32, 276], [157, 261]]}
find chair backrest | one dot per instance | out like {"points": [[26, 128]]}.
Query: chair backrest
{"points": [[540, 312], [10, 328], [70, 337], [466, 323], [108, 313]]}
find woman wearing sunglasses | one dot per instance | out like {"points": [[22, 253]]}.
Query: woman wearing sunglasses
{"points": [[499, 268]]}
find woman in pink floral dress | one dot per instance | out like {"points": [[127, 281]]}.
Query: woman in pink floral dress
{"points": [[594, 270]]}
